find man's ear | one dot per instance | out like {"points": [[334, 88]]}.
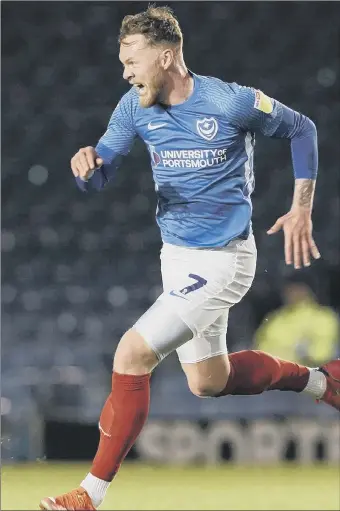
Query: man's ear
{"points": [[167, 58]]}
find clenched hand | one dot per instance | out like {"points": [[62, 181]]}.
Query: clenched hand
{"points": [[85, 162]]}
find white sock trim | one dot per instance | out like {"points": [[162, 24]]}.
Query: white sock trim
{"points": [[317, 383], [95, 487]]}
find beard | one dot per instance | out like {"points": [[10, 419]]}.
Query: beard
{"points": [[152, 92]]}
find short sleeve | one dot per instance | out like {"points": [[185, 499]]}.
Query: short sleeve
{"points": [[252, 110], [120, 133]]}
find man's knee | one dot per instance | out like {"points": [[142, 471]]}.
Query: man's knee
{"points": [[134, 355], [204, 388], [208, 378]]}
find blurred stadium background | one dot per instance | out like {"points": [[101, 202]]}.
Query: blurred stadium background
{"points": [[78, 269]]}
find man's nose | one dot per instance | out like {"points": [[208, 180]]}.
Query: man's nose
{"points": [[127, 75]]}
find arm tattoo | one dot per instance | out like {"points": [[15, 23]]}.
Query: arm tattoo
{"points": [[304, 193]]}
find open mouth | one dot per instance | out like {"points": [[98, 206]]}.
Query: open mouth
{"points": [[140, 87]]}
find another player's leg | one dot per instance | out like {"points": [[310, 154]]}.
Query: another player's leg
{"points": [[126, 409]]}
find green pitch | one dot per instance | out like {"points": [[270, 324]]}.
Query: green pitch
{"points": [[149, 488]]}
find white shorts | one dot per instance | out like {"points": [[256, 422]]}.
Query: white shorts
{"points": [[200, 286]]}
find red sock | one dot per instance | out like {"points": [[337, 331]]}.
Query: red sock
{"points": [[121, 420], [252, 372]]}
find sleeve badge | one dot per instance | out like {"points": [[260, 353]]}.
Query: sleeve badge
{"points": [[263, 102]]}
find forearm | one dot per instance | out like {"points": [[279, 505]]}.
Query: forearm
{"points": [[304, 149], [105, 173], [96, 182], [302, 133], [297, 223], [303, 194]]}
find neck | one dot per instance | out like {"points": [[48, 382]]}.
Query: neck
{"points": [[180, 85]]}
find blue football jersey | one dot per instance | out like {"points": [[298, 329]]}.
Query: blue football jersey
{"points": [[201, 154]]}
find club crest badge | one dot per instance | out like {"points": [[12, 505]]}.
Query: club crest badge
{"points": [[207, 127]]}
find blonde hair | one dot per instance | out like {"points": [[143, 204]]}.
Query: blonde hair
{"points": [[157, 24]]}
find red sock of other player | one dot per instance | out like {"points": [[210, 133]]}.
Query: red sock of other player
{"points": [[121, 420], [253, 372]]}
